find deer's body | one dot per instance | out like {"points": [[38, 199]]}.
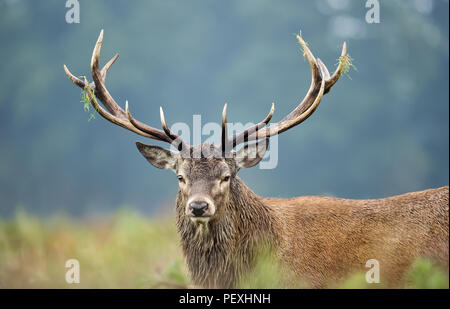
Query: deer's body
{"points": [[324, 239], [320, 240]]}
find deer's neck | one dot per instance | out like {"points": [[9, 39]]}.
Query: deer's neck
{"points": [[218, 252]]}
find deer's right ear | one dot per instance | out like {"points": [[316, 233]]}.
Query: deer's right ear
{"points": [[158, 157]]}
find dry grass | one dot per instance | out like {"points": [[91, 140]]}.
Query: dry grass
{"points": [[128, 251]]}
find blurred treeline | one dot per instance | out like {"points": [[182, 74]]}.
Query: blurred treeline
{"points": [[382, 132]]}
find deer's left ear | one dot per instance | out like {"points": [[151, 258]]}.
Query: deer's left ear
{"points": [[251, 154], [158, 157]]}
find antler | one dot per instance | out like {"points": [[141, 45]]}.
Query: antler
{"points": [[115, 113], [321, 84]]}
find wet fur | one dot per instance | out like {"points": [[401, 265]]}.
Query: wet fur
{"points": [[319, 240], [218, 252], [322, 240]]}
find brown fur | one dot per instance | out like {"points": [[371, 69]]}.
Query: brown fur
{"points": [[319, 240], [217, 254], [325, 239]]}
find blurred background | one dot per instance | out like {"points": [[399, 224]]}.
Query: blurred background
{"points": [[381, 131]]}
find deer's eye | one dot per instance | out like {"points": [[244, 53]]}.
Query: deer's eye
{"points": [[226, 178], [180, 178]]}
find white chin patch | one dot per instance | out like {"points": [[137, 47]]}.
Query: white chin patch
{"points": [[200, 220]]}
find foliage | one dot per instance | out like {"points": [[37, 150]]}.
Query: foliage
{"points": [[86, 102], [130, 251], [125, 251], [267, 274], [425, 275], [347, 62]]}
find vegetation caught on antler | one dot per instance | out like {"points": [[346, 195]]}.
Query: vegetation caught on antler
{"points": [[86, 102], [347, 62]]}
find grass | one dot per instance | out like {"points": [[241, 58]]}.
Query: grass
{"points": [[127, 250], [87, 103], [347, 62]]}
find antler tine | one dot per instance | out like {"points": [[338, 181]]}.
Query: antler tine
{"points": [[242, 137], [157, 134], [175, 139], [224, 128], [164, 124], [337, 74], [73, 78], [100, 89], [107, 66]]}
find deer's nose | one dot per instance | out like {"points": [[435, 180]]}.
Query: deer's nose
{"points": [[198, 208]]}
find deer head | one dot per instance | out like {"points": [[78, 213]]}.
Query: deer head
{"points": [[206, 172]]}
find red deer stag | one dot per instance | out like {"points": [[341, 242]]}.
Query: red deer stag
{"points": [[320, 240]]}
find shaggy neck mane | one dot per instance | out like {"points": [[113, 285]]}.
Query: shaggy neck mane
{"points": [[219, 252]]}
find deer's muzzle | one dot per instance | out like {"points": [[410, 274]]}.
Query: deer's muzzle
{"points": [[200, 207]]}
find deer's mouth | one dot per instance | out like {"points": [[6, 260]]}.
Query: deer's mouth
{"points": [[200, 220]]}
